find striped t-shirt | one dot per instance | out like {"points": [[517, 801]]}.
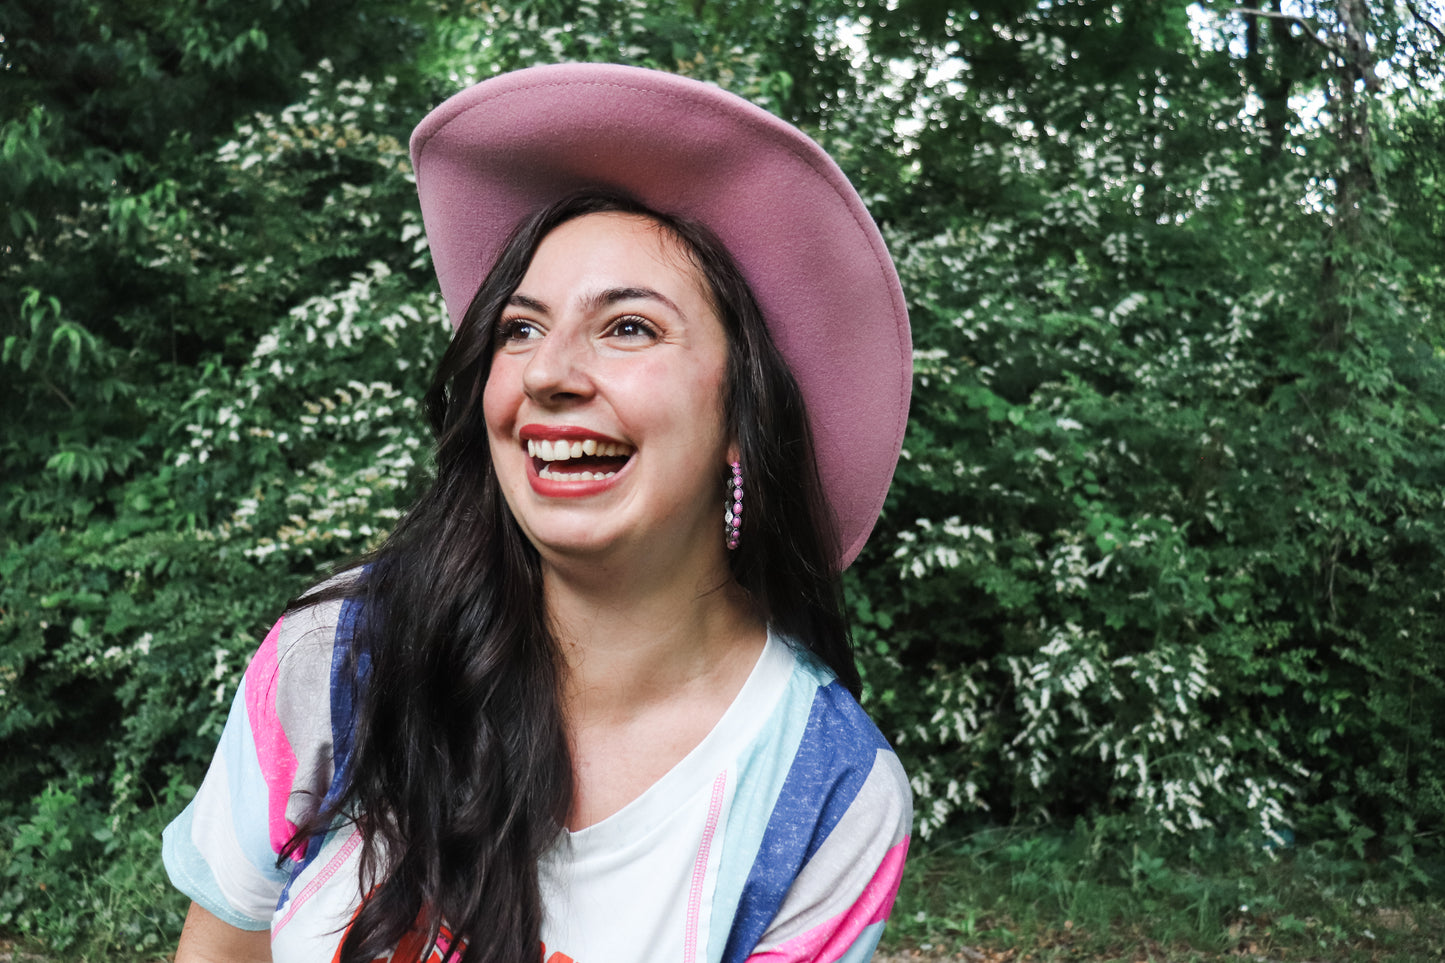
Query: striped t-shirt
{"points": [[781, 837]]}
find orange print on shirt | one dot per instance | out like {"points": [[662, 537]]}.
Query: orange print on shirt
{"points": [[413, 948]]}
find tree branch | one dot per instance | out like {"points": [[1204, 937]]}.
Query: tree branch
{"points": [[1311, 27], [58, 393], [1439, 34]]}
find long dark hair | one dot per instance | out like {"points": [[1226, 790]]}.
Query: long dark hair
{"points": [[460, 777]]}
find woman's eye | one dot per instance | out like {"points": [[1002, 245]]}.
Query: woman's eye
{"points": [[516, 329], [633, 327]]}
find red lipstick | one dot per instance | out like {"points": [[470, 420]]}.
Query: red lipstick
{"points": [[567, 432], [564, 479]]}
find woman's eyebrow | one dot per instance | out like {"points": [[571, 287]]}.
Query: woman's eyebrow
{"points": [[610, 296], [599, 299], [531, 304]]}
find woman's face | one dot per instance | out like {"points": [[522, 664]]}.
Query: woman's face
{"points": [[604, 403]]}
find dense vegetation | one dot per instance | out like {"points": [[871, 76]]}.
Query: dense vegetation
{"points": [[1166, 551]]}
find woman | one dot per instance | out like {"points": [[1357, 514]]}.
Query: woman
{"points": [[568, 701]]}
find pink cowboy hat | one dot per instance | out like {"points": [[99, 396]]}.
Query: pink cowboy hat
{"points": [[496, 152]]}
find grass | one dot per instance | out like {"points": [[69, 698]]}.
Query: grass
{"points": [[75, 886], [1046, 895]]}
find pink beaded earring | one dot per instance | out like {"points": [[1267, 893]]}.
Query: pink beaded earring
{"points": [[733, 507]]}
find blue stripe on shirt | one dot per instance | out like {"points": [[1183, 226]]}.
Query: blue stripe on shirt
{"points": [[837, 752]]}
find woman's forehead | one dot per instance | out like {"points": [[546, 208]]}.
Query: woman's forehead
{"points": [[610, 251]]}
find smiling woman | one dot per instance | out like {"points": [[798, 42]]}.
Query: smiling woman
{"points": [[595, 692]]}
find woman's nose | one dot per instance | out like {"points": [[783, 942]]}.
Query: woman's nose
{"points": [[559, 369]]}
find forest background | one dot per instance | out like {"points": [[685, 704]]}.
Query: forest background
{"points": [[1162, 568]]}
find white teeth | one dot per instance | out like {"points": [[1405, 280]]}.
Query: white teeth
{"points": [[561, 450], [574, 475]]}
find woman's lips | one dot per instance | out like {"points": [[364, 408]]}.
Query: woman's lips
{"points": [[569, 432], [570, 461]]}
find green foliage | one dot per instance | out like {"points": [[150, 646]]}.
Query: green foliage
{"points": [[179, 454], [1163, 541], [1164, 552], [1104, 891], [125, 906]]}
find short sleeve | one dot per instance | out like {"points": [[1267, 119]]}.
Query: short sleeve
{"points": [[838, 903], [271, 769]]}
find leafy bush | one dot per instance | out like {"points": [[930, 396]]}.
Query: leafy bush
{"points": [[1164, 552]]}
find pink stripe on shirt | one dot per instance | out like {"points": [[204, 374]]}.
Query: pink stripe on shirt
{"points": [[828, 941], [699, 867], [273, 752]]}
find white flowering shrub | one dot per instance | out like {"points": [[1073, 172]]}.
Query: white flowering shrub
{"points": [[294, 250], [338, 461], [1111, 576], [1164, 549]]}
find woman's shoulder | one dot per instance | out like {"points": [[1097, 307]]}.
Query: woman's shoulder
{"points": [[306, 637], [829, 755], [273, 766], [291, 683], [836, 725]]}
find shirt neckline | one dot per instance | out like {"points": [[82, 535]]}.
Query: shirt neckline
{"points": [[737, 726]]}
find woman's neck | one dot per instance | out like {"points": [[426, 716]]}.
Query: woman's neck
{"points": [[629, 640], [651, 665]]}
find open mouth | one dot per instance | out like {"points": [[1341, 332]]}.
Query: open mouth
{"points": [[574, 459]]}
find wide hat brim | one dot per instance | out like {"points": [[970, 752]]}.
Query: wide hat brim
{"points": [[496, 152]]}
